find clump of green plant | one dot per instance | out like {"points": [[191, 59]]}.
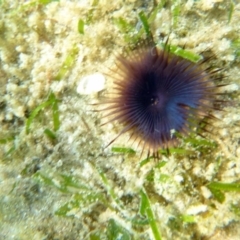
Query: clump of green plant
{"points": [[131, 34], [51, 102], [83, 197], [218, 189], [67, 64]]}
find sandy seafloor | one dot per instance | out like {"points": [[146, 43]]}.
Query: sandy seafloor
{"points": [[38, 176]]}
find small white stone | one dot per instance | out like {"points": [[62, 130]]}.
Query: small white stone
{"points": [[12, 87], [231, 165], [189, 5], [9, 116], [19, 48], [178, 178], [24, 60], [91, 84], [206, 192], [19, 111], [210, 171], [223, 132], [194, 210]]}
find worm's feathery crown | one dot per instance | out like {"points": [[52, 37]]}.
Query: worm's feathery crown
{"points": [[159, 94]]}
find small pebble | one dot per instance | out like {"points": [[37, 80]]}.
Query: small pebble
{"points": [[194, 210]]}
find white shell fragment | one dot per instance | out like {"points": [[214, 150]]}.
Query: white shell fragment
{"points": [[194, 210], [91, 84]]}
